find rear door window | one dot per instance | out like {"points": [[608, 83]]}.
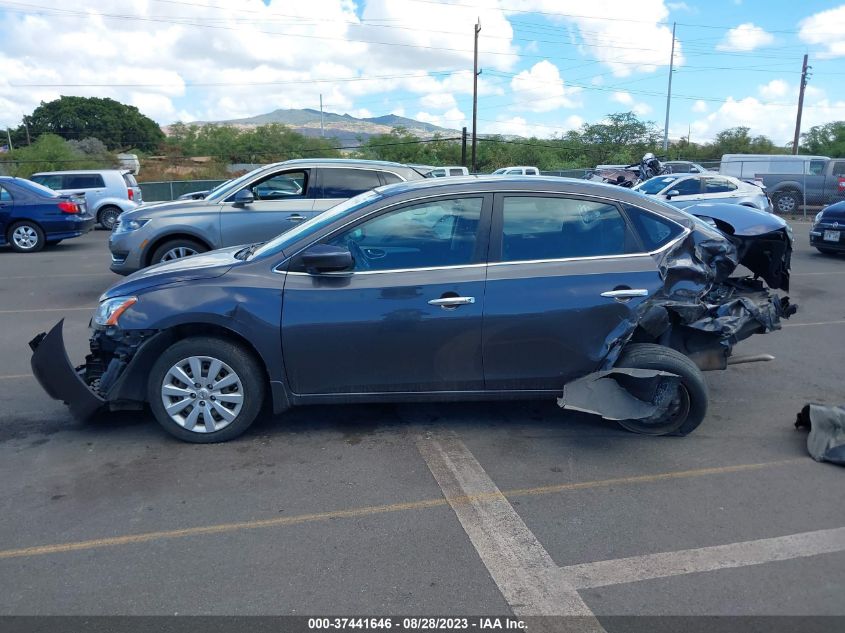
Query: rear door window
{"points": [[456, 172], [345, 183], [83, 181], [687, 187], [718, 185], [53, 181], [389, 178], [537, 227], [654, 230]]}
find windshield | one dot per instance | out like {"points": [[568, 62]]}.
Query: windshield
{"points": [[655, 185], [230, 186], [500, 171], [316, 223], [34, 187]]}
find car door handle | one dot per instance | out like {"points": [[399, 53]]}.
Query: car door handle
{"points": [[451, 302], [296, 218], [624, 294]]}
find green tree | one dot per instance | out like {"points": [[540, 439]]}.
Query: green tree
{"points": [[117, 125], [827, 139], [49, 153]]}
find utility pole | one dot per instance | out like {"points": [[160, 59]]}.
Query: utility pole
{"points": [[9, 136], [804, 78], [475, 74], [26, 127], [322, 132], [669, 92], [464, 146]]}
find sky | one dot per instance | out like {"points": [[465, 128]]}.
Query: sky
{"points": [[547, 66]]}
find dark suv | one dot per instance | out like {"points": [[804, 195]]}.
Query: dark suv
{"points": [[253, 208], [443, 289]]}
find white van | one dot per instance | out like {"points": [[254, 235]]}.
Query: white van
{"points": [[451, 170], [517, 171], [751, 165]]}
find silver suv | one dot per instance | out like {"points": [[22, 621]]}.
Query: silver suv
{"points": [[108, 192], [253, 208]]}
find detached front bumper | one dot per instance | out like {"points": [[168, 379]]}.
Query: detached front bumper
{"points": [[58, 377]]}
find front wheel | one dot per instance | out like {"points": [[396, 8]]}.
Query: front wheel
{"points": [[206, 389], [687, 409], [176, 249]]}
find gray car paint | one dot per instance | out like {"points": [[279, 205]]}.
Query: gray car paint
{"points": [[218, 222]]}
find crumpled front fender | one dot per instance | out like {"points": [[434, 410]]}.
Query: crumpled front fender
{"points": [[58, 377]]}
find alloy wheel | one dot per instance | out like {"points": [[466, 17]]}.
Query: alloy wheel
{"points": [[202, 394], [25, 237], [178, 252]]}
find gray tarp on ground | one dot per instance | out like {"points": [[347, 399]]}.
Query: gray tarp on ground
{"points": [[826, 441]]}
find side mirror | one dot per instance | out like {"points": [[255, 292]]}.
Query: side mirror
{"points": [[243, 198], [673, 192], [324, 258]]}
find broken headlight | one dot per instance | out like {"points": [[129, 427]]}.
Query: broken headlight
{"points": [[110, 310]]}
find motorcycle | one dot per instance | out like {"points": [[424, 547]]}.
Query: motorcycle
{"points": [[631, 175]]}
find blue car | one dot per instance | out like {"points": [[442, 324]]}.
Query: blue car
{"points": [[33, 216]]}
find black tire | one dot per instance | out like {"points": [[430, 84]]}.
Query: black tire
{"points": [[787, 201], [175, 245], [253, 386], [31, 232], [108, 216], [689, 411]]}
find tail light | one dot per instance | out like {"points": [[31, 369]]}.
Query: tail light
{"points": [[66, 206], [841, 183], [131, 194]]}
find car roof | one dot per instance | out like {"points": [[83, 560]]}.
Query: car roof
{"points": [[493, 184], [79, 171], [352, 162]]}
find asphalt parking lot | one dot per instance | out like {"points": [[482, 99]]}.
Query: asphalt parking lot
{"points": [[512, 508]]}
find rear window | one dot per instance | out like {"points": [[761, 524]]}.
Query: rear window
{"points": [[83, 181], [345, 183], [839, 168], [456, 172], [130, 181], [654, 230], [5, 196]]}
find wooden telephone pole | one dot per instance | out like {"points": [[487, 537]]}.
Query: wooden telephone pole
{"points": [[475, 73], [804, 68]]}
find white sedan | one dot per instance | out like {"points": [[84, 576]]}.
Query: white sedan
{"points": [[684, 190]]}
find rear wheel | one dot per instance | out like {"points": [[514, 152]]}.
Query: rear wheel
{"points": [[177, 249], [108, 216], [787, 201], [26, 237], [206, 390], [687, 409]]}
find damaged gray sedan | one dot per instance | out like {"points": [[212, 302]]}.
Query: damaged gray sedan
{"points": [[441, 290]]}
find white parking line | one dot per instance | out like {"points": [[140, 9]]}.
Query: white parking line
{"points": [[13, 376], [692, 561], [519, 565], [840, 322]]}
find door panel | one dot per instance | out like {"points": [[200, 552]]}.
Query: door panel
{"points": [[545, 319], [282, 200], [375, 329]]}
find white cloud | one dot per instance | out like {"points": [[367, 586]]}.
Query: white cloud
{"points": [[542, 89], [634, 39], [624, 98], [774, 118], [642, 109], [826, 29], [745, 37], [775, 89], [700, 106], [518, 126], [439, 101], [452, 119]]}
